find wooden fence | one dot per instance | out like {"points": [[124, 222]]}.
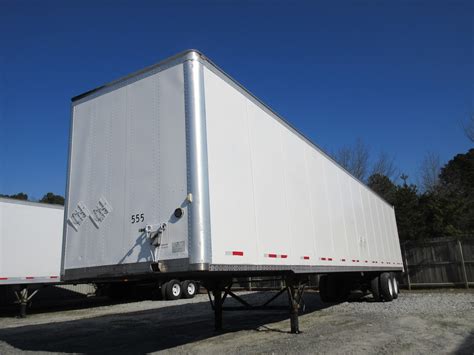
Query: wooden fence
{"points": [[438, 262]]}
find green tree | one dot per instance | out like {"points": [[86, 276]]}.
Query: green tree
{"points": [[457, 189], [382, 185], [52, 199], [408, 213], [18, 196]]}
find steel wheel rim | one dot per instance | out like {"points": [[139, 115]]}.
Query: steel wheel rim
{"points": [[191, 288], [176, 289], [395, 286], [390, 287]]}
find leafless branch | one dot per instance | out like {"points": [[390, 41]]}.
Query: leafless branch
{"points": [[429, 171], [355, 159], [468, 128], [385, 165]]}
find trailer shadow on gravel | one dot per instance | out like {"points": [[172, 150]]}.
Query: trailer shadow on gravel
{"points": [[147, 331]]}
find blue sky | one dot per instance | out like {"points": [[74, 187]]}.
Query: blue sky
{"points": [[396, 74]]}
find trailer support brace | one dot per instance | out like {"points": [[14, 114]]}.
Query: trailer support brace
{"points": [[23, 299], [294, 286]]}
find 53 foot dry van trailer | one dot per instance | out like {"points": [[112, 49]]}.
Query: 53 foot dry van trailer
{"points": [[30, 247], [177, 170]]}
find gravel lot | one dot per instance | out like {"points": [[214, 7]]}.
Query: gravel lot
{"points": [[418, 322]]}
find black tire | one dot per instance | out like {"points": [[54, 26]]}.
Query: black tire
{"points": [[189, 288], [163, 290], [396, 289], [386, 287], [375, 288], [323, 289], [173, 290]]}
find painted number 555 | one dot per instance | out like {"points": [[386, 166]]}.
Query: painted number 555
{"points": [[139, 217]]}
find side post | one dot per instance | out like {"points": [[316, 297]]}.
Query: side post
{"points": [[406, 266], [463, 264], [217, 293]]}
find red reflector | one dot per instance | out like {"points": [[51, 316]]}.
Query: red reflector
{"points": [[238, 253], [323, 259], [330, 259], [29, 277], [272, 255], [353, 261], [343, 259], [3, 278], [366, 261], [53, 277], [306, 257], [283, 256]]}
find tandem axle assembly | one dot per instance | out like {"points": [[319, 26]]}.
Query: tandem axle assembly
{"points": [[218, 291]]}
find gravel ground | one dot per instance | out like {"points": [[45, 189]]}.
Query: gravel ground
{"points": [[418, 322]]}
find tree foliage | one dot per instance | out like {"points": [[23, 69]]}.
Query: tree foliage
{"points": [[52, 199], [18, 196], [47, 198], [444, 207]]}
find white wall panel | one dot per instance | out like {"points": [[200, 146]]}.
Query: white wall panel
{"points": [[31, 238], [272, 193], [234, 231]]}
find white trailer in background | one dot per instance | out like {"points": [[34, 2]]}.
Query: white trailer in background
{"points": [[177, 170], [30, 246]]}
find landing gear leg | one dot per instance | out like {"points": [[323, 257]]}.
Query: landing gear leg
{"points": [[23, 299], [295, 288]]}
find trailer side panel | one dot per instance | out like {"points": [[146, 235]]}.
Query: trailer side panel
{"points": [[277, 200]]}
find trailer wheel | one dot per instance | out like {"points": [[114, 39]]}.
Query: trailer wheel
{"points": [[375, 288], [173, 290], [190, 288], [395, 287], [386, 286]]}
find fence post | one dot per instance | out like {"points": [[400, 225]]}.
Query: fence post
{"points": [[463, 264], [406, 266]]}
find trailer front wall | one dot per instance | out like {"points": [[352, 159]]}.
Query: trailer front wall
{"points": [[277, 200], [128, 149], [30, 242]]}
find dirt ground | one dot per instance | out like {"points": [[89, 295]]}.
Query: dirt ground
{"points": [[436, 322]]}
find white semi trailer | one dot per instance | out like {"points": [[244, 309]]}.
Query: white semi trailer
{"points": [[31, 236], [30, 247], [178, 171]]}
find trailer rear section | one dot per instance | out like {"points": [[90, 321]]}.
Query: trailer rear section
{"points": [[177, 171], [30, 247]]}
